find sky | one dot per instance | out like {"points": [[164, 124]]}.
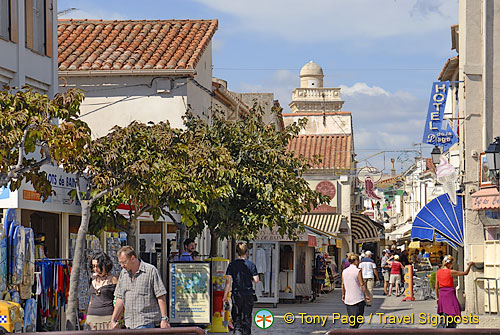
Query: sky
{"points": [[383, 54]]}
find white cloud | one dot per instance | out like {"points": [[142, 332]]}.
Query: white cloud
{"points": [[320, 20], [363, 88]]}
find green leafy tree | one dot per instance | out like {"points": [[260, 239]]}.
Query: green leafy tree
{"points": [[34, 130], [110, 163], [266, 184], [176, 181]]}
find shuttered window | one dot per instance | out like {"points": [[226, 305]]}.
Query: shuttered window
{"points": [[5, 19], [35, 25]]}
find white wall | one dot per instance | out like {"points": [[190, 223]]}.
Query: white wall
{"points": [[119, 100], [335, 124], [20, 66]]}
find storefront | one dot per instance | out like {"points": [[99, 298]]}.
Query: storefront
{"points": [[286, 267], [49, 222]]}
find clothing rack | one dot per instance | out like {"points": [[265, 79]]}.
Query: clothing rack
{"points": [[53, 259]]}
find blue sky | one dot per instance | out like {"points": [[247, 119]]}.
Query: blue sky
{"points": [[384, 54]]}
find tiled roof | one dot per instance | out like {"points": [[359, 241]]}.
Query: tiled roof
{"points": [[335, 150], [132, 45], [449, 69]]}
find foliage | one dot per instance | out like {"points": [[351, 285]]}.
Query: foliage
{"points": [[265, 182], [34, 130], [432, 280], [178, 163]]}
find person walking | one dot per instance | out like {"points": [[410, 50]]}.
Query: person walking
{"points": [[102, 289], [187, 255], [140, 291], [369, 271], [354, 290], [445, 290], [240, 274], [395, 277], [386, 268]]}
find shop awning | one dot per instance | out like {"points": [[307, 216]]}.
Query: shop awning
{"points": [[322, 222], [487, 198], [364, 229], [400, 232], [441, 220]]}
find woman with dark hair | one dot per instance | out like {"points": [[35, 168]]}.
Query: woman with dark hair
{"points": [[446, 295], [102, 290]]}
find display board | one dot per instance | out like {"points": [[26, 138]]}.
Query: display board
{"points": [[190, 293]]}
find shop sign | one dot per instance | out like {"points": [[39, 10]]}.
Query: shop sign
{"points": [[436, 131], [189, 285], [63, 184], [338, 243], [311, 241]]}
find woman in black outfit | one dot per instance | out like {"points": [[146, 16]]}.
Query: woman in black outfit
{"points": [[102, 289]]}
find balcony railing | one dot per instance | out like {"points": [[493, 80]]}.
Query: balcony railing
{"points": [[316, 94]]}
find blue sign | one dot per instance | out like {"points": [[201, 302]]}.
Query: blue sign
{"points": [[434, 133]]}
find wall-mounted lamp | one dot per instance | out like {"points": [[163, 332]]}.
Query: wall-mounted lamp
{"points": [[436, 155], [493, 158]]}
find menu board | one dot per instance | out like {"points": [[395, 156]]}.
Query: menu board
{"points": [[190, 293]]}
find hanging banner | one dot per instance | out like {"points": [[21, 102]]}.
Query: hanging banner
{"points": [[190, 292], [437, 131]]}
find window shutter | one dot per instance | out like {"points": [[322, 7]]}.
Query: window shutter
{"points": [[49, 10], [13, 21], [28, 8]]}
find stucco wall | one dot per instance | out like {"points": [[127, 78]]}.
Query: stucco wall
{"points": [[119, 100], [198, 98], [479, 68], [335, 124]]}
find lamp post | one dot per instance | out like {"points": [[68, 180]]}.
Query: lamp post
{"points": [[436, 155], [493, 158]]}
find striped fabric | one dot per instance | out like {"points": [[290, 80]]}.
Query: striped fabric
{"points": [[326, 223]]}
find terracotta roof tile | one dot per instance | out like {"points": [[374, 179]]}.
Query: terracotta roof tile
{"points": [[430, 165], [126, 45], [334, 150]]}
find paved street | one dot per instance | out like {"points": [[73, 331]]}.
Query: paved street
{"points": [[392, 307]]}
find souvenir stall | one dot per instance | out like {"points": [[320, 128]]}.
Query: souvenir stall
{"points": [[45, 231], [285, 267]]}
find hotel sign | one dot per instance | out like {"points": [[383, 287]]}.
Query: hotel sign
{"points": [[436, 131]]}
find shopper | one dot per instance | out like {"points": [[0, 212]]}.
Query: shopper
{"points": [[369, 271], [102, 289], [445, 290], [354, 290], [141, 292], [395, 277], [239, 277], [386, 268], [189, 246]]}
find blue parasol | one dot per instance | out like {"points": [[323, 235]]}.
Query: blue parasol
{"points": [[441, 218]]}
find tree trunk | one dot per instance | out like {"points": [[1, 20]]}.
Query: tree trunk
{"points": [[131, 237], [213, 243], [72, 310]]}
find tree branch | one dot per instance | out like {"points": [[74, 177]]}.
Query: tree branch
{"points": [[106, 191], [140, 212]]}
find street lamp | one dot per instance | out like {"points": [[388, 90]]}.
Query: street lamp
{"points": [[493, 157], [436, 155]]}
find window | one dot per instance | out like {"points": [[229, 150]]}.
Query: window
{"points": [[39, 26], [5, 19]]}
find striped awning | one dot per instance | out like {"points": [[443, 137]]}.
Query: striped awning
{"points": [[364, 229], [325, 223]]}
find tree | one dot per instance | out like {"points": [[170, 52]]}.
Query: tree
{"points": [[113, 162], [266, 188], [29, 121], [176, 181]]}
